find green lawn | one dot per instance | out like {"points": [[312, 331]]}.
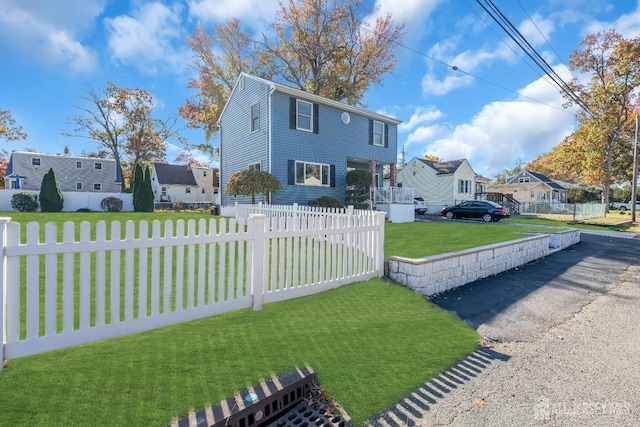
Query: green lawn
{"points": [[370, 344]]}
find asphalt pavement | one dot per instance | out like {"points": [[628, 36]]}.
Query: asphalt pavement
{"points": [[561, 345]]}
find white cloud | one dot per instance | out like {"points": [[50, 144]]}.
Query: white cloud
{"points": [[254, 12], [419, 116], [627, 25], [415, 13], [503, 131], [531, 29], [151, 38], [424, 133], [47, 32]]}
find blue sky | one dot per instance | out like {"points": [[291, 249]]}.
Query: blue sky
{"points": [[494, 110]]}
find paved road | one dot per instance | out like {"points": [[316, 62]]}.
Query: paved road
{"points": [[562, 339]]}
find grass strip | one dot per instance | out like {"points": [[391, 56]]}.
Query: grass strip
{"points": [[370, 343]]}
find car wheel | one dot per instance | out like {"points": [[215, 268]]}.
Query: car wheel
{"points": [[622, 208], [487, 217], [449, 215]]}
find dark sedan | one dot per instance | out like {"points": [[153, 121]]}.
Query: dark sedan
{"points": [[486, 210]]}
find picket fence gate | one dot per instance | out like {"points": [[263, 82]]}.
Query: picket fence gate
{"points": [[83, 284]]}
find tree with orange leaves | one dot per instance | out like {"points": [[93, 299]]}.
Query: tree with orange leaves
{"points": [[324, 47]]}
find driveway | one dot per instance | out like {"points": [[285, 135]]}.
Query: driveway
{"points": [[561, 345]]}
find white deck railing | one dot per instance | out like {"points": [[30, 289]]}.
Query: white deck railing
{"points": [[389, 195], [109, 282]]}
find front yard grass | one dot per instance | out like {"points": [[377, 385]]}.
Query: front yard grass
{"points": [[370, 343]]}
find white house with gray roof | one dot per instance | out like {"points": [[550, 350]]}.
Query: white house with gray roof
{"points": [[440, 184], [73, 173], [191, 185]]}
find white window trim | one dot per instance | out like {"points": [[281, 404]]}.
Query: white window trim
{"points": [[257, 128], [97, 166], [79, 186], [298, 115], [99, 187], [375, 122], [322, 166], [255, 166], [187, 190], [79, 164]]}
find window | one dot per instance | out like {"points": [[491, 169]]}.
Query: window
{"points": [[312, 174], [304, 115], [464, 186], [35, 161], [78, 165], [241, 83], [378, 133], [97, 187], [79, 186], [254, 166], [523, 179], [163, 191], [97, 165], [204, 173], [533, 194], [255, 117], [187, 190], [204, 191]]}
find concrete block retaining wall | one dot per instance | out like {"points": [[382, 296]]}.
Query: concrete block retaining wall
{"points": [[439, 273]]}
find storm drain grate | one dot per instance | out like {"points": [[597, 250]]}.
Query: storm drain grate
{"points": [[292, 399]]}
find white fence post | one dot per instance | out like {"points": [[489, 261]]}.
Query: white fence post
{"points": [[3, 289], [257, 224], [379, 251]]}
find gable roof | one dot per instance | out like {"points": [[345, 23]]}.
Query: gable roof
{"points": [[443, 168], [174, 174], [314, 98], [540, 177]]}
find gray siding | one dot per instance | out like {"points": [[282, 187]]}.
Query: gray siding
{"points": [[67, 174], [241, 147]]}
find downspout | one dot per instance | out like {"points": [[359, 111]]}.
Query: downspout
{"points": [[269, 133]]}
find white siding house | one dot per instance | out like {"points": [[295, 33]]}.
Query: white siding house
{"points": [[184, 183], [440, 184]]}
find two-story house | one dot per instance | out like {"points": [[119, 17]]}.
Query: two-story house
{"points": [[440, 184], [306, 141], [192, 185], [82, 174]]}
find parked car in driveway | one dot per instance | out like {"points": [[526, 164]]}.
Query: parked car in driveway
{"points": [[420, 205], [484, 209]]}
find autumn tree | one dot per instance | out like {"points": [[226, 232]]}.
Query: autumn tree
{"points": [[252, 182], [120, 120], [432, 158], [9, 130], [601, 146], [323, 47], [4, 163]]}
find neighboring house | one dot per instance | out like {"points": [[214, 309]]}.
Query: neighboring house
{"points": [[530, 187], [184, 183], [307, 142], [440, 184], [82, 174]]}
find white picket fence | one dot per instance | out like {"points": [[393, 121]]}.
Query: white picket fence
{"points": [[84, 283], [244, 211]]}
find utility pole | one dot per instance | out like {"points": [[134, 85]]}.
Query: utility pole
{"points": [[634, 181]]}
